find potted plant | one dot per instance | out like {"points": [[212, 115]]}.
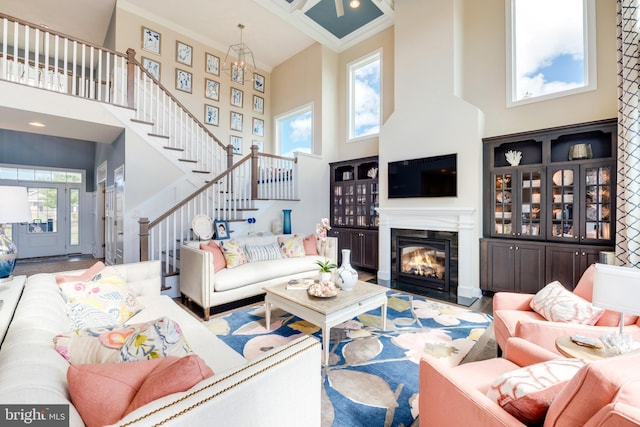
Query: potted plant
{"points": [[325, 269]]}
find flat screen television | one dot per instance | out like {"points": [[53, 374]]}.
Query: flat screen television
{"points": [[425, 177]]}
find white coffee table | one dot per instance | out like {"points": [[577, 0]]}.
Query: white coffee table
{"points": [[327, 312]]}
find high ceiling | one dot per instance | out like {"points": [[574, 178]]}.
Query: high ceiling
{"points": [[274, 29]]}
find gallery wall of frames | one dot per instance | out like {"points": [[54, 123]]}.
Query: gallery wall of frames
{"points": [[233, 107]]}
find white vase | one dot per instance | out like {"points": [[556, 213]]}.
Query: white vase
{"points": [[347, 276]]}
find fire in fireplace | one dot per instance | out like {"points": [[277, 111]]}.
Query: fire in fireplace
{"points": [[424, 261]]}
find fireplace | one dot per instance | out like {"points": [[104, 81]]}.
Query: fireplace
{"points": [[425, 262]]}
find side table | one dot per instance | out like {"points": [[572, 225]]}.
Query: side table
{"points": [[568, 348], [10, 293]]}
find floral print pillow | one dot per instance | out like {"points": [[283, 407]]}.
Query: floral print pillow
{"points": [[292, 246], [104, 300], [233, 253], [123, 343]]}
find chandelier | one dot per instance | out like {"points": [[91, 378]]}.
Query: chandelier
{"points": [[239, 63]]}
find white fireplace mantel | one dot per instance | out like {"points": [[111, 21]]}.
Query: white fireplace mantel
{"points": [[460, 220]]}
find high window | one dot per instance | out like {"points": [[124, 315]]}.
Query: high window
{"points": [[551, 50], [364, 77], [294, 131]]}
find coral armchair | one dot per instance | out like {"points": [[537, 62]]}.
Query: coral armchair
{"points": [[513, 317], [603, 393], [457, 396]]}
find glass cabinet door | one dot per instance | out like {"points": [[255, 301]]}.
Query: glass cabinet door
{"points": [[362, 207], [343, 204], [374, 201], [531, 198], [503, 204], [564, 224], [338, 205], [598, 206]]}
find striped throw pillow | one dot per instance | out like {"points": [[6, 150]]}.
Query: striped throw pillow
{"points": [[266, 252]]}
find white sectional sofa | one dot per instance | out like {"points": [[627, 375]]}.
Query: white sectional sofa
{"points": [[240, 393], [207, 288]]}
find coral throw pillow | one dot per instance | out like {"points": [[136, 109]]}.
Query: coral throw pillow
{"points": [[555, 303], [233, 253], [527, 393], [219, 262], [105, 393], [89, 274], [123, 343], [310, 245]]}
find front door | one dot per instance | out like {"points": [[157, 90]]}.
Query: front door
{"points": [[54, 229]]}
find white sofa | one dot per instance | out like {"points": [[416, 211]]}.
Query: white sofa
{"points": [[240, 393], [203, 286]]}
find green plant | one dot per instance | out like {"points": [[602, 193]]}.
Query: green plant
{"points": [[326, 265]]}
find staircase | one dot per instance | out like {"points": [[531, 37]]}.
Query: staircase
{"points": [[35, 56]]}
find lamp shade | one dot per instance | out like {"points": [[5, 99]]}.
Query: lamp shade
{"points": [[14, 205], [617, 288]]}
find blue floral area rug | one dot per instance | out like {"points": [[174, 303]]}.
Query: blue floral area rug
{"points": [[372, 376]]}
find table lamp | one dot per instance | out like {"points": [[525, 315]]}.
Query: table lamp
{"points": [[617, 288], [14, 207]]}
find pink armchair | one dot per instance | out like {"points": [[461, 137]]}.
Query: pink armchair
{"points": [[457, 396], [513, 317], [604, 393]]}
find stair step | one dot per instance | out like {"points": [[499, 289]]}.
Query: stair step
{"points": [[187, 160], [198, 171], [143, 122], [173, 148], [157, 135]]}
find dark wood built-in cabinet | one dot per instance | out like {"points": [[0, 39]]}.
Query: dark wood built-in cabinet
{"points": [[354, 219], [548, 217]]}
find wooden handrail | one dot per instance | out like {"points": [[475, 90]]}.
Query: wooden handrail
{"points": [[197, 192], [274, 156]]}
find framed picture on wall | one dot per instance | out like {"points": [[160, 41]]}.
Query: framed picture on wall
{"points": [[184, 53], [236, 97], [212, 89], [237, 74], [153, 67], [258, 104], [211, 64], [211, 115], [236, 121], [236, 142], [258, 82], [183, 80], [258, 126], [150, 40]]}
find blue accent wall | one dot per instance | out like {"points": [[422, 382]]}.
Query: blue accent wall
{"points": [[29, 149]]}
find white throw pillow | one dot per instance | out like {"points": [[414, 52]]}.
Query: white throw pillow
{"points": [[555, 303]]}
